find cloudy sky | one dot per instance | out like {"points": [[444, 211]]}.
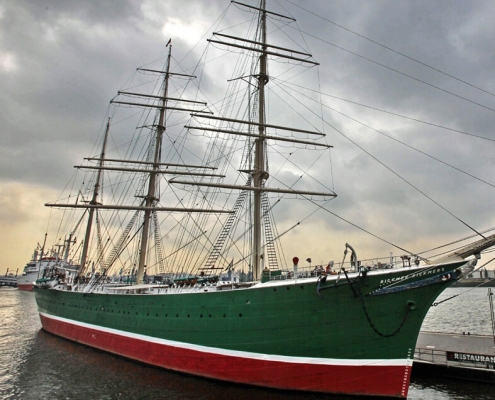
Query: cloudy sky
{"points": [[428, 65]]}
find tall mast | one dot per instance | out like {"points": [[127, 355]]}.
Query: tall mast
{"points": [[259, 173], [150, 198], [93, 202]]}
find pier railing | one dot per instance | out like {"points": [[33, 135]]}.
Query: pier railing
{"points": [[442, 357]]}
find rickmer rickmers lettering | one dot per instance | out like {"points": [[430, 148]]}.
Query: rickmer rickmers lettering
{"points": [[180, 263], [416, 274]]}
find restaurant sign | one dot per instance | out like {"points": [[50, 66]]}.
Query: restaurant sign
{"points": [[487, 360]]}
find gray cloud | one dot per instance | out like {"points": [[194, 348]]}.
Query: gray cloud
{"points": [[61, 62]]}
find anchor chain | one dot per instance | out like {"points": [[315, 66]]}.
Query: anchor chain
{"points": [[368, 318], [357, 293]]}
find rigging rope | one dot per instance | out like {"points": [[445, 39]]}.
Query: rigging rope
{"points": [[393, 172], [404, 144], [387, 112], [389, 48], [459, 294], [399, 72]]}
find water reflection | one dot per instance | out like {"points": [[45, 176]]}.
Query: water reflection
{"points": [[468, 311], [60, 369], [436, 388]]}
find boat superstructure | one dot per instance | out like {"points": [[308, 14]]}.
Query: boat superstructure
{"points": [[49, 262]]}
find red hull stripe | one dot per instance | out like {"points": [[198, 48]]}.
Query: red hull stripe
{"points": [[28, 287], [371, 377], [233, 353]]}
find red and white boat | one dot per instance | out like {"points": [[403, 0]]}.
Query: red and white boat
{"points": [[39, 263], [33, 268]]}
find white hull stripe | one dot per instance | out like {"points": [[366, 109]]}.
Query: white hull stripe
{"points": [[235, 353]]}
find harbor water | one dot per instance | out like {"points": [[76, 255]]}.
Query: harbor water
{"points": [[37, 365]]}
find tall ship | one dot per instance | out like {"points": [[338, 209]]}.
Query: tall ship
{"points": [[181, 263]]}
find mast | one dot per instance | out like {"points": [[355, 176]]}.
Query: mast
{"points": [[259, 174], [41, 255], [94, 202], [69, 241], [150, 198], [258, 169]]}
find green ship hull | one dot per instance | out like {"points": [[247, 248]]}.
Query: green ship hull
{"points": [[352, 334]]}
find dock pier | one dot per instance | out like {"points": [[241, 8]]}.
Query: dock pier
{"points": [[464, 355], [8, 280]]}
